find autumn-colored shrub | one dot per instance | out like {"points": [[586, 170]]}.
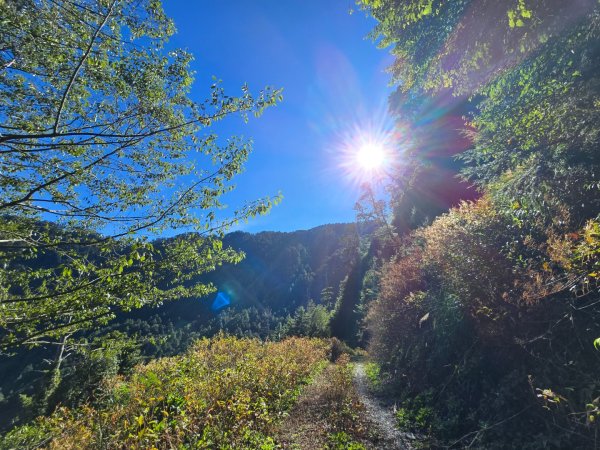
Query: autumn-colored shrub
{"points": [[569, 261], [486, 329], [224, 393], [395, 313], [345, 412], [465, 251]]}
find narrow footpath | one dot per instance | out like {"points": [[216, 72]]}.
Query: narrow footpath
{"points": [[380, 414]]}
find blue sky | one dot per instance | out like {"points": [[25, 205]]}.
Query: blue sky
{"points": [[334, 82]]}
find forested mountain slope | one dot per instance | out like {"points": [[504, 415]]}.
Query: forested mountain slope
{"points": [[281, 272]]}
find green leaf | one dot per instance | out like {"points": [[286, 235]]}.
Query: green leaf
{"points": [[140, 90]]}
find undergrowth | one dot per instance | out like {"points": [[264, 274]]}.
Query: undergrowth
{"points": [[329, 414], [224, 393], [373, 373]]}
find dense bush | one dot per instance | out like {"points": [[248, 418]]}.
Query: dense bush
{"points": [[224, 393], [473, 353]]}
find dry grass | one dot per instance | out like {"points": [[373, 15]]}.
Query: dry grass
{"points": [[328, 406]]}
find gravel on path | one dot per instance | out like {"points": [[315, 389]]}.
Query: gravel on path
{"points": [[380, 414]]}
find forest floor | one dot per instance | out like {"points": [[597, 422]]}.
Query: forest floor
{"points": [[339, 411]]}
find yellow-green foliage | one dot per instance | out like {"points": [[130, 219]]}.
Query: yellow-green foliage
{"points": [[224, 393], [464, 249]]}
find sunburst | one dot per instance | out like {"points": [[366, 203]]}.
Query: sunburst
{"points": [[371, 156], [367, 156]]}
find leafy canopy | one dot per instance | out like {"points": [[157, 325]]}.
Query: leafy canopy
{"points": [[99, 136]]}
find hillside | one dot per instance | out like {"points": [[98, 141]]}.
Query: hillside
{"points": [[223, 393], [280, 273]]}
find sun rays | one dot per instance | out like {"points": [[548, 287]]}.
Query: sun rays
{"points": [[368, 154]]}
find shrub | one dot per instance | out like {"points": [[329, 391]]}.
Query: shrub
{"points": [[395, 314], [373, 372], [486, 329], [338, 348], [342, 441], [225, 392]]}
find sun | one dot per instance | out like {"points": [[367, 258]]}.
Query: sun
{"points": [[369, 152], [371, 156]]}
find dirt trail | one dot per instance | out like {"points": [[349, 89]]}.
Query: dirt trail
{"points": [[380, 414]]}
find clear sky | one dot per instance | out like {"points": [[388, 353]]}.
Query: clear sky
{"points": [[334, 83]]}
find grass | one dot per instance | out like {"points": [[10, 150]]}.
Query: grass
{"points": [[329, 414], [373, 373]]}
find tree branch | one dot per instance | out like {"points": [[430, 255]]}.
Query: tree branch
{"points": [[79, 65]]}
